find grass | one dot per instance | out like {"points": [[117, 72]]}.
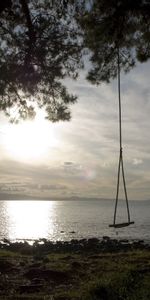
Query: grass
{"points": [[123, 275]]}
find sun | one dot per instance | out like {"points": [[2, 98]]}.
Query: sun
{"points": [[30, 140]]}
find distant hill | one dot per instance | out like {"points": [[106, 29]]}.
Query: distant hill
{"points": [[6, 196]]}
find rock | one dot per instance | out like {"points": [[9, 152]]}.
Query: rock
{"points": [[106, 238], [68, 257], [76, 265], [32, 288], [6, 266], [124, 241], [48, 274], [6, 241], [93, 241]]}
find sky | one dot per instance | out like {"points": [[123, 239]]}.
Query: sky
{"points": [[80, 158]]}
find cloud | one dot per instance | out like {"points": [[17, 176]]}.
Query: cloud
{"points": [[137, 161], [68, 163], [9, 187], [71, 166], [85, 161], [56, 187]]}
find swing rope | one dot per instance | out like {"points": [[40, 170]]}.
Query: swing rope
{"points": [[120, 165]]}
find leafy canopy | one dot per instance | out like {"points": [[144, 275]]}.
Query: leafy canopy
{"points": [[39, 47], [116, 24], [41, 44]]}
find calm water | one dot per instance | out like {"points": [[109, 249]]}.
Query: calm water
{"points": [[64, 220]]}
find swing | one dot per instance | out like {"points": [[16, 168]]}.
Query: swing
{"points": [[120, 165]]}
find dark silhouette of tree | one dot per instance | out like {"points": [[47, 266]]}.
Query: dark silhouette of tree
{"points": [[39, 47], [41, 44], [116, 24]]}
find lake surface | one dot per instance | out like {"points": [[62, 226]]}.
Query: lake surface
{"points": [[66, 220]]}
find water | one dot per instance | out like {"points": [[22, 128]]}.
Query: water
{"points": [[66, 220]]}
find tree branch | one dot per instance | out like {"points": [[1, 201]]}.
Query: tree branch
{"points": [[26, 12]]}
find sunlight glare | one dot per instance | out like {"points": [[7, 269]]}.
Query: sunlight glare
{"points": [[30, 219], [30, 140]]}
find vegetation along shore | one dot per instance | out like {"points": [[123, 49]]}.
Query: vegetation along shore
{"points": [[84, 269]]}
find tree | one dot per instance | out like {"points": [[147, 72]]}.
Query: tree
{"points": [[116, 24], [39, 47]]}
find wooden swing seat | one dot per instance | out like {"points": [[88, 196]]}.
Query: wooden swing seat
{"points": [[121, 225]]}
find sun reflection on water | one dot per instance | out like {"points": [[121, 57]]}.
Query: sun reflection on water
{"points": [[30, 219]]}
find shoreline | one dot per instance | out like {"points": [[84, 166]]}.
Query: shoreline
{"points": [[104, 244]]}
